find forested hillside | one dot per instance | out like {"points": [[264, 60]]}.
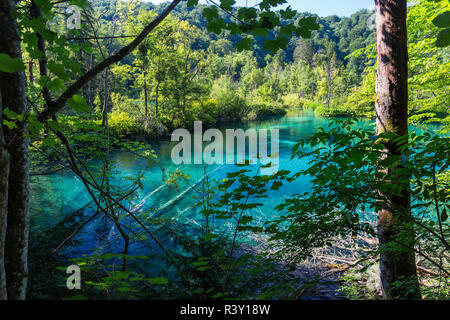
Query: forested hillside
{"points": [[224, 83]]}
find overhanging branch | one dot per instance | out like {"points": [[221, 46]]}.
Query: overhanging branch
{"points": [[54, 106]]}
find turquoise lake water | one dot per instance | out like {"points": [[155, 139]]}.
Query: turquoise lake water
{"points": [[57, 195]]}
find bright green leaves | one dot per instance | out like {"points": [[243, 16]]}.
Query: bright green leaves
{"points": [[10, 65], [443, 21], [11, 119], [52, 124], [78, 103]]}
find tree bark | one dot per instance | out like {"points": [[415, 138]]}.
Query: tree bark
{"points": [[105, 98], [4, 173], [13, 97], [397, 262]]}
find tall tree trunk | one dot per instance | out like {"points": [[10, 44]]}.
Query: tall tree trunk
{"points": [[12, 87], [396, 235], [4, 172], [157, 101], [105, 98], [89, 88], [145, 98], [30, 71]]}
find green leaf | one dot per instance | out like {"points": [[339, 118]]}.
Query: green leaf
{"points": [[288, 13], [11, 125], [57, 69], [10, 65], [76, 297], [210, 13], [53, 125], [442, 20], [261, 32], [45, 5], [245, 44], [309, 23], [78, 103], [444, 215], [287, 30], [210, 236], [227, 4], [55, 85], [267, 4], [192, 3], [158, 280], [83, 4], [443, 38], [86, 47], [11, 114]]}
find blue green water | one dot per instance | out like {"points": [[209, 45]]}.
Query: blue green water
{"points": [[57, 195]]}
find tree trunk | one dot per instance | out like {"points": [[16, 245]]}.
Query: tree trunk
{"points": [[157, 101], [145, 100], [396, 235], [4, 172], [105, 98], [12, 87]]}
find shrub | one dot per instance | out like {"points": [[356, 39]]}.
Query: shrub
{"points": [[125, 104], [267, 109], [231, 106], [122, 124], [293, 101], [310, 104], [204, 110], [333, 111]]}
